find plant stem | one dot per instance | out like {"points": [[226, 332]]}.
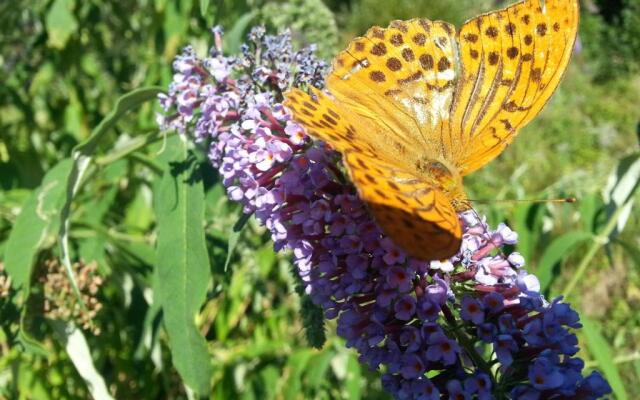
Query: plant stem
{"points": [[132, 146], [600, 240], [467, 343]]}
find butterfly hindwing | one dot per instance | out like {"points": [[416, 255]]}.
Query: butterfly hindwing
{"points": [[416, 215]]}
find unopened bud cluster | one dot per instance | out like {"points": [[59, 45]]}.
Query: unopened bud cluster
{"points": [[60, 300]]}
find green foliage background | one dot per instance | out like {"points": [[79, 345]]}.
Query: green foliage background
{"points": [[64, 65]]}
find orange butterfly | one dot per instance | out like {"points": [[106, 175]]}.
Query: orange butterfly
{"points": [[416, 106]]}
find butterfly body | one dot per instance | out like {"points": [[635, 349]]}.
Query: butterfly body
{"points": [[417, 106], [444, 176]]}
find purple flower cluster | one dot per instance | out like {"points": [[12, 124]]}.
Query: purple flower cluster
{"points": [[473, 326]]}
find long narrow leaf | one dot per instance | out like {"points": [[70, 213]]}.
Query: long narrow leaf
{"points": [[82, 157], [79, 352], [600, 349], [35, 222], [204, 7], [235, 36], [183, 263], [621, 187], [558, 250]]}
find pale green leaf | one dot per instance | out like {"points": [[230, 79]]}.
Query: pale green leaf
{"points": [[37, 219], [558, 250], [354, 381], [234, 38], [234, 237], [79, 352], [621, 187], [204, 7], [319, 366], [598, 346], [61, 23]]}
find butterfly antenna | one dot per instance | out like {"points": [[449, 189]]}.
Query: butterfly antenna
{"points": [[561, 200]]}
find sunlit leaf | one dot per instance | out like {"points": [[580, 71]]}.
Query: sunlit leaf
{"points": [[234, 38], [621, 187], [61, 23], [269, 377], [79, 352], [353, 379], [316, 375], [589, 208]]}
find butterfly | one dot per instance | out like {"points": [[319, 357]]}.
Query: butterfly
{"points": [[415, 107]]}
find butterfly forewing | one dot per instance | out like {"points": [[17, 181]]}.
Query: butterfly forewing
{"points": [[403, 80], [512, 61]]}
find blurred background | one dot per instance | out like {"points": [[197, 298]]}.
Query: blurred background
{"points": [[64, 63]]}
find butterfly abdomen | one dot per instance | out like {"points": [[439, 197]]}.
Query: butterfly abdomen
{"points": [[443, 176]]}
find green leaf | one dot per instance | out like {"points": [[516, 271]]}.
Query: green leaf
{"points": [[601, 351], [527, 220], [204, 6], [620, 196], [234, 237], [79, 352], [234, 38], [149, 342], [560, 248], [269, 377], [139, 215], [319, 365], [124, 104], [30, 344], [636, 369], [37, 219], [82, 156], [183, 263], [296, 365], [60, 23], [589, 207], [353, 381], [93, 248]]}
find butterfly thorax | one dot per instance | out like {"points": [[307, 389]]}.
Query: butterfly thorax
{"points": [[445, 177]]}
